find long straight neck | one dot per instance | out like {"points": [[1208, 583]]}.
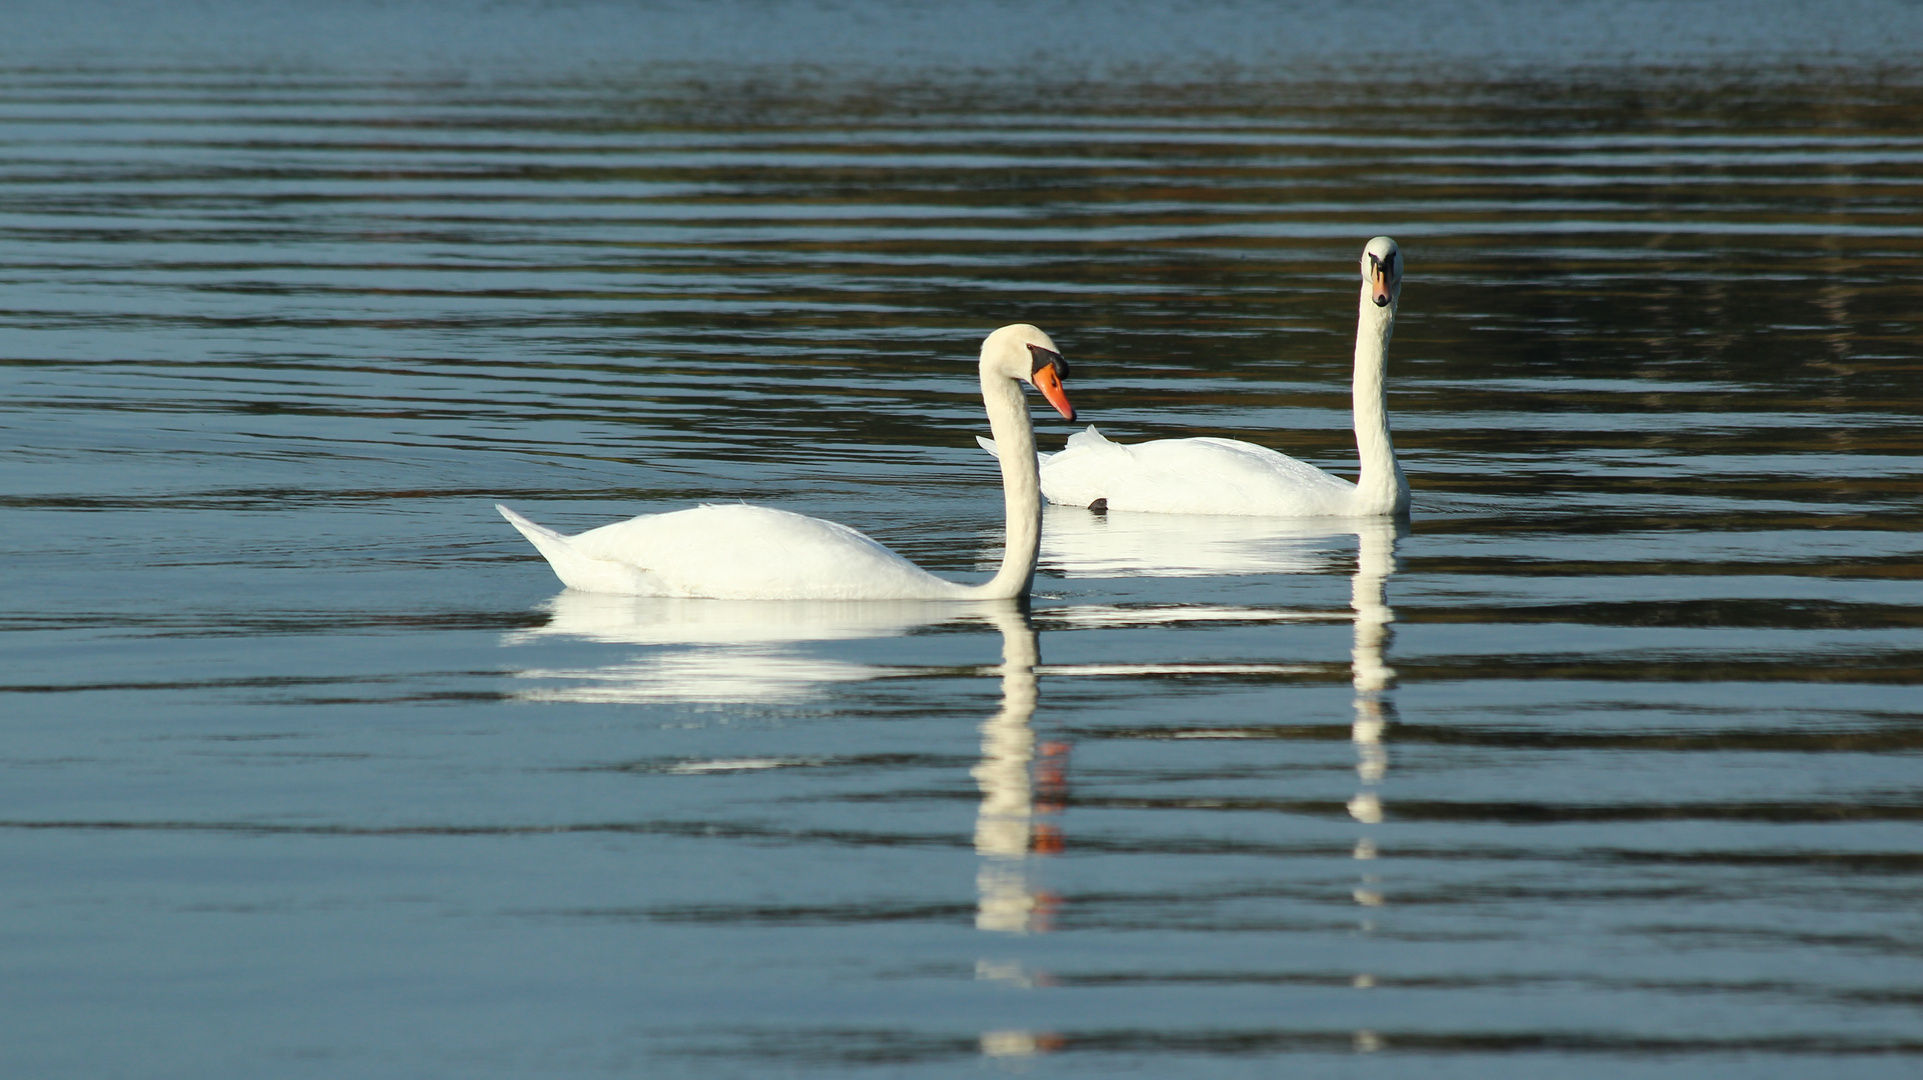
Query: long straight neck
{"points": [[1380, 486], [1021, 486]]}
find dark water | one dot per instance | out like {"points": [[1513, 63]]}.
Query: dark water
{"points": [[1607, 765]]}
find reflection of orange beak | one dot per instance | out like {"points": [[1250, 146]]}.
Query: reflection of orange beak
{"points": [[1049, 382], [1379, 286]]}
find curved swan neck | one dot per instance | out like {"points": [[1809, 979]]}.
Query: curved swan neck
{"points": [[1021, 485], [1381, 487]]}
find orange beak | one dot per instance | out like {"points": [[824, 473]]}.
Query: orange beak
{"points": [[1379, 285], [1049, 382]]}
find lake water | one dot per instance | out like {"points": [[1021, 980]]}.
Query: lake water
{"points": [[1607, 764]]}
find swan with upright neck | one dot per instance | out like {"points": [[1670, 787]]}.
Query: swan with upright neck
{"points": [[740, 552], [1229, 476]]}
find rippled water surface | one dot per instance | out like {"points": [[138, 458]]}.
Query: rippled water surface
{"points": [[1606, 763]]}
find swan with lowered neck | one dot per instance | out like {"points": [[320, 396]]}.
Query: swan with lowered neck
{"points": [[740, 552], [1229, 476]]}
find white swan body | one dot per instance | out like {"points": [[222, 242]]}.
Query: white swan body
{"points": [[1229, 476], [1192, 476], [739, 552]]}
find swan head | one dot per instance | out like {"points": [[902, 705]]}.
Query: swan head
{"points": [[1022, 352], [1382, 271]]}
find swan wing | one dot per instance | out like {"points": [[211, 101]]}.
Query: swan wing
{"points": [[1090, 441], [733, 552], [1191, 476]]}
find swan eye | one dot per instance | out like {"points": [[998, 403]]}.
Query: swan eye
{"points": [[1044, 357], [1382, 267]]}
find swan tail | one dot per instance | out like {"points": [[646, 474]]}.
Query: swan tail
{"points": [[552, 545], [536, 533], [576, 571]]}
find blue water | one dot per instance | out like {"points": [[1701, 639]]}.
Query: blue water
{"points": [[1606, 764]]}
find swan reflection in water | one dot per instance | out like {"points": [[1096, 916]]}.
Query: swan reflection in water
{"points": [[1078, 543], [721, 650], [1081, 544], [745, 650], [750, 651], [1372, 678], [1022, 786]]}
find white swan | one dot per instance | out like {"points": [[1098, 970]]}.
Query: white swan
{"points": [[740, 552], [1229, 476]]}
